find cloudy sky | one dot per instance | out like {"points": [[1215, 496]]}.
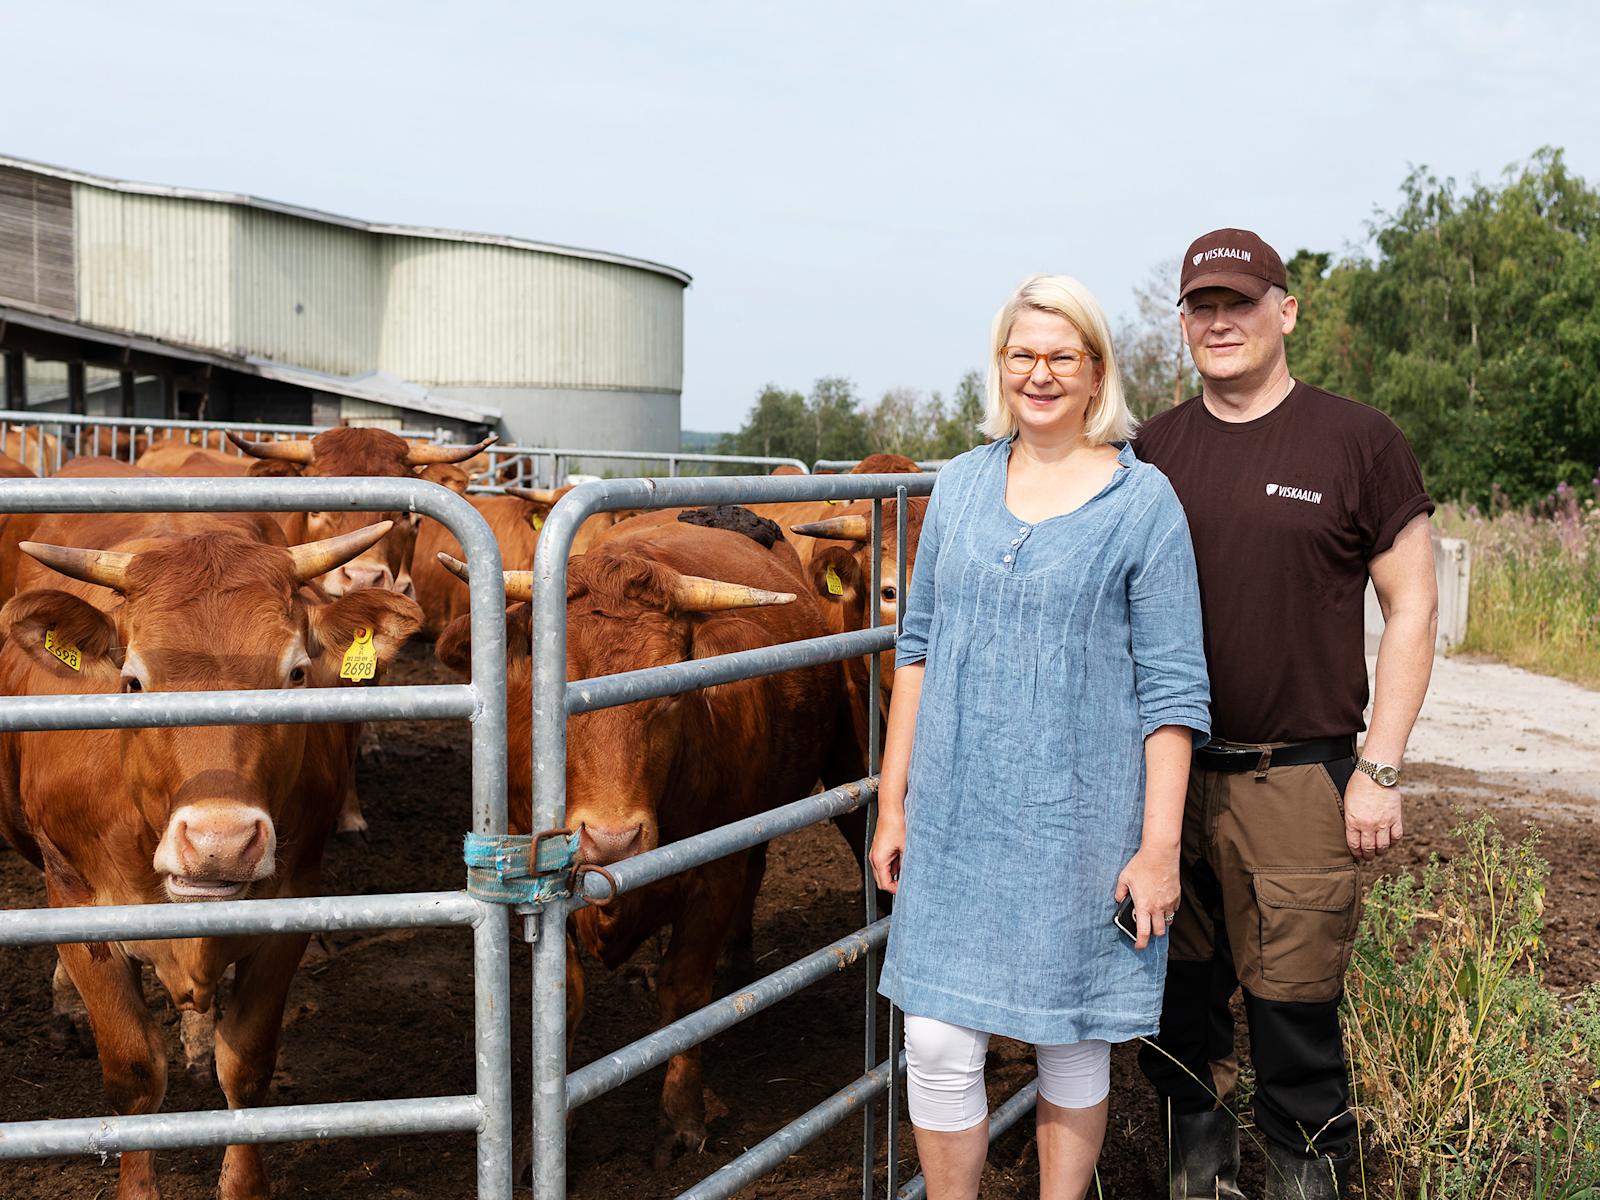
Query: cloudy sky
{"points": [[854, 187]]}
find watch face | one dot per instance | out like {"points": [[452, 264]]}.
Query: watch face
{"points": [[1388, 776]]}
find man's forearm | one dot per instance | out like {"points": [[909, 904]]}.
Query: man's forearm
{"points": [[1405, 664]]}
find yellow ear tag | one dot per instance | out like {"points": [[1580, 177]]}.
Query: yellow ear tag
{"points": [[835, 585], [65, 651], [836, 502], [538, 522], [361, 660]]}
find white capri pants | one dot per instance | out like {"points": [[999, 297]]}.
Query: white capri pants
{"points": [[944, 1074]]}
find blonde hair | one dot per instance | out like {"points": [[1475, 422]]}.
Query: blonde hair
{"points": [[1108, 419]]}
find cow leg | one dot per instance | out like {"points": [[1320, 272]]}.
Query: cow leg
{"points": [[742, 943], [197, 1032], [352, 825], [69, 1017], [683, 984], [247, 1050], [133, 1054]]}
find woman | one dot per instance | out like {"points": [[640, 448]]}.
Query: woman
{"points": [[1049, 686]]}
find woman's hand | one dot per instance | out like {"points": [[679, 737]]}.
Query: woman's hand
{"points": [[888, 847], [1152, 877]]}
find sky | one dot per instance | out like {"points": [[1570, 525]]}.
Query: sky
{"points": [[855, 187]]}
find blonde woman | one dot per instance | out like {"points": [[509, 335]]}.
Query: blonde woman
{"points": [[1049, 686]]}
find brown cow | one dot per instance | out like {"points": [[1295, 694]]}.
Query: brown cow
{"points": [[515, 523], [357, 451], [31, 446], [10, 468], [142, 816], [657, 771], [594, 528]]}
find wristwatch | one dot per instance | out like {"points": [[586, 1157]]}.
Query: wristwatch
{"points": [[1382, 773]]}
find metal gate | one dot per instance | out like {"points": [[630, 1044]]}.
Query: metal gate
{"points": [[526, 466], [555, 1092], [481, 701]]}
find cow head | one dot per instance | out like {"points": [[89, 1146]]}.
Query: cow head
{"points": [[625, 612], [353, 451], [211, 612]]}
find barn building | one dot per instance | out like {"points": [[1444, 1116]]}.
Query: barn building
{"points": [[144, 300]]}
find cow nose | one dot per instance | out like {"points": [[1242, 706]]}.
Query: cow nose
{"points": [[602, 846], [354, 576], [221, 844]]}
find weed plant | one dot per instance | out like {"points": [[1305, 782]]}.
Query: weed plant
{"points": [[1535, 592], [1472, 1078]]}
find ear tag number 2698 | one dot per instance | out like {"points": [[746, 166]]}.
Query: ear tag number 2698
{"points": [[361, 660], [63, 649]]}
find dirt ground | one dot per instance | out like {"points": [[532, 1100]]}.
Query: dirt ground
{"points": [[388, 1014]]}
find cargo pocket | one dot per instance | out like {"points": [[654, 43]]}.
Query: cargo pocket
{"points": [[1308, 918]]}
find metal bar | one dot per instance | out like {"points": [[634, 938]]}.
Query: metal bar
{"points": [[240, 1126], [634, 1059], [230, 918], [606, 691], [271, 706], [1000, 1122], [901, 591], [846, 465], [800, 1132], [869, 887], [634, 873]]}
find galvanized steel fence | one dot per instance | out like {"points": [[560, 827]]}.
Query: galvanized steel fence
{"points": [[522, 466], [482, 702]]}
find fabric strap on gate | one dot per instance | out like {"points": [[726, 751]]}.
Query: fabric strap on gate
{"points": [[520, 868]]}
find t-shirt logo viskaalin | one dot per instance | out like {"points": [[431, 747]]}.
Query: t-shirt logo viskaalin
{"points": [[1294, 493]]}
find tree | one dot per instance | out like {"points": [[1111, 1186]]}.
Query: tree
{"points": [[958, 429], [1476, 326], [776, 427], [1155, 366], [835, 414]]}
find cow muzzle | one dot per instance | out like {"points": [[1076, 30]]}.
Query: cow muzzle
{"points": [[352, 577], [601, 846], [215, 851]]}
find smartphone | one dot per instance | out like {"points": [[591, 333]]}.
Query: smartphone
{"points": [[1125, 920]]}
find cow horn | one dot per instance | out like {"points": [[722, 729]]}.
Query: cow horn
{"points": [[854, 527], [295, 450], [695, 594], [429, 452], [108, 568], [537, 495], [312, 559], [518, 584]]}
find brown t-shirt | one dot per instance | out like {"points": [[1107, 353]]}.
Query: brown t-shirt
{"points": [[1285, 512]]}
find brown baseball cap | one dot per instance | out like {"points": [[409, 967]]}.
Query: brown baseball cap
{"points": [[1231, 258]]}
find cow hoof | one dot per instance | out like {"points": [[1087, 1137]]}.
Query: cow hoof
{"points": [[671, 1141], [353, 837], [72, 1034]]}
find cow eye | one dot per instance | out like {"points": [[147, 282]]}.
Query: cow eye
{"points": [[889, 594], [297, 675], [130, 683]]}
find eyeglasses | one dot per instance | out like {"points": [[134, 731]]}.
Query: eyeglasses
{"points": [[1063, 364]]}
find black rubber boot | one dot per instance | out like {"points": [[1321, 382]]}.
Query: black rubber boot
{"points": [[1204, 1160], [1290, 1177]]}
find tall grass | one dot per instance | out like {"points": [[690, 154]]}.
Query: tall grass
{"points": [[1472, 1078], [1535, 593]]}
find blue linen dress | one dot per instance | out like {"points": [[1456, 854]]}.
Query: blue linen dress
{"points": [[1053, 650]]}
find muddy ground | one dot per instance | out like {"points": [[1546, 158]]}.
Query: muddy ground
{"points": [[388, 1014]]}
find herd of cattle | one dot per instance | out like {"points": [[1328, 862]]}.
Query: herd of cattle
{"points": [[105, 602]]}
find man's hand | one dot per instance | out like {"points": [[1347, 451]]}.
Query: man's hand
{"points": [[1372, 820]]}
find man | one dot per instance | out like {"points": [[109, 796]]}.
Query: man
{"points": [[1295, 497]]}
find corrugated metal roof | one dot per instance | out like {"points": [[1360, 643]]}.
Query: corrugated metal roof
{"points": [[312, 214], [375, 386]]}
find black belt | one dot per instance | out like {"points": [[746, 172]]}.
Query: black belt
{"points": [[1223, 757]]}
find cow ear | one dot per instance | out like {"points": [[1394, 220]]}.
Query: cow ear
{"points": [[454, 647], [837, 582], [64, 635], [389, 618]]}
